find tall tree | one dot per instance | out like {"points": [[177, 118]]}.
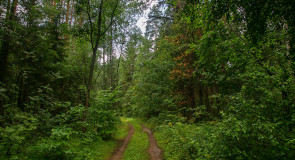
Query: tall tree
{"points": [[68, 11], [98, 24]]}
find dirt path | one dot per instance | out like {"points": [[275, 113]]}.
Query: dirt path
{"points": [[118, 153], [154, 151]]}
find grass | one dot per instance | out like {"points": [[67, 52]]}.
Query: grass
{"points": [[122, 128], [97, 150], [139, 143], [101, 150]]}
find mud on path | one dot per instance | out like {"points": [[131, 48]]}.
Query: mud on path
{"points": [[118, 153], [154, 151]]}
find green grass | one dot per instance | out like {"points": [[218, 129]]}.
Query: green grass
{"points": [[97, 150], [139, 143], [101, 150], [122, 128]]}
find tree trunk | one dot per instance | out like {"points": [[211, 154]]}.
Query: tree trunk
{"points": [[103, 69], [68, 11], [93, 60], [52, 18], [111, 61], [94, 45]]}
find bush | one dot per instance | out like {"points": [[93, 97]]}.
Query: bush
{"points": [[14, 136], [176, 140], [54, 147], [101, 116], [102, 122], [235, 137]]}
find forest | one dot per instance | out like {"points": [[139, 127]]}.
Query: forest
{"points": [[199, 79]]}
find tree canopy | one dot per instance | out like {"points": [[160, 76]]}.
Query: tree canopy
{"points": [[216, 77]]}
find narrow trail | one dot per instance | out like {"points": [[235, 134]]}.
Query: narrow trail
{"points": [[154, 151], [118, 153]]}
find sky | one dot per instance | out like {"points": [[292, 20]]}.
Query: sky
{"points": [[141, 23]]}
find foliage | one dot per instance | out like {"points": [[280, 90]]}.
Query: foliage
{"points": [[150, 94], [102, 122], [44, 61], [102, 116], [55, 147], [233, 66], [13, 136], [216, 75], [176, 140]]}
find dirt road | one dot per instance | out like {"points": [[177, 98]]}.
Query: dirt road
{"points": [[118, 153], [154, 151]]}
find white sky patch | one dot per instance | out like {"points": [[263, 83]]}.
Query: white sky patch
{"points": [[141, 22]]}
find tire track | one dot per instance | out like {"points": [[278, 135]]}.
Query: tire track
{"points": [[154, 151], [118, 153]]}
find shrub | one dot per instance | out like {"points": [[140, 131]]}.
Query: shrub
{"points": [[102, 122], [55, 146], [101, 116], [14, 136]]}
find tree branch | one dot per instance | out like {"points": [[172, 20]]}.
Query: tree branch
{"points": [[112, 19], [160, 17]]}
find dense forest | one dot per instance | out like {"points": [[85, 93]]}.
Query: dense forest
{"points": [[213, 79]]}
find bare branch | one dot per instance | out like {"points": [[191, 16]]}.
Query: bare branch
{"points": [[160, 17]]}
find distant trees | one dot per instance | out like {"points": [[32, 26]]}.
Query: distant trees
{"points": [[229, 62], [50, 61], [5, 46]]}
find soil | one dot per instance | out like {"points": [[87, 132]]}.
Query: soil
{"points": [[118, 153], [154, 151]]}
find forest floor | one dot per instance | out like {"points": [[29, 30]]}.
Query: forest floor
{"points": [[138, 144]]}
